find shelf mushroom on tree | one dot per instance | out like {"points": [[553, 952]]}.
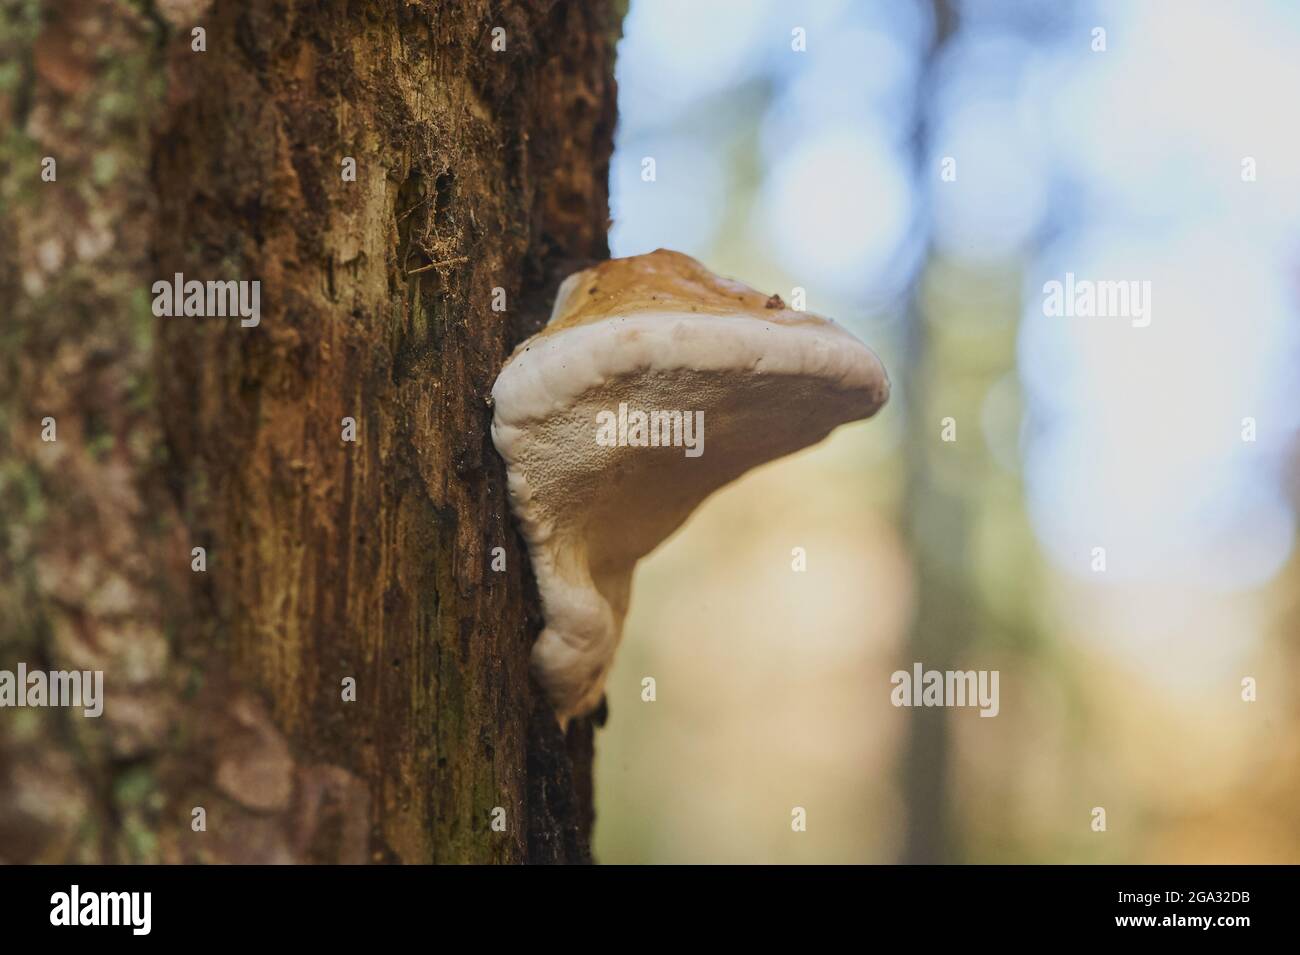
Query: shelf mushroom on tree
{"points": [[601, 420]]}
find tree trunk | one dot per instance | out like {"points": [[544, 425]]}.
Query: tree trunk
{"points": [[943, 597], [327, 560]]}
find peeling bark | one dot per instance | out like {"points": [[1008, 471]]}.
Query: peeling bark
{"points": [[325, 559]]}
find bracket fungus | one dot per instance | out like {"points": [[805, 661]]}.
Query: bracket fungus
{"points": [[601, 419]]}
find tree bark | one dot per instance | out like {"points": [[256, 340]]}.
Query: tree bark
{"points": [[326, 560]]}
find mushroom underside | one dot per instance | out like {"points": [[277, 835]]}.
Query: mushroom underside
{"points": [[637, 428]]}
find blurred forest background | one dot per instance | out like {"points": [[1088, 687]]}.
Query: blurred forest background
{"points": [[821, 169]]}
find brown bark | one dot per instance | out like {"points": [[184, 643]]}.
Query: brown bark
{"points": [[475, 169]]}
